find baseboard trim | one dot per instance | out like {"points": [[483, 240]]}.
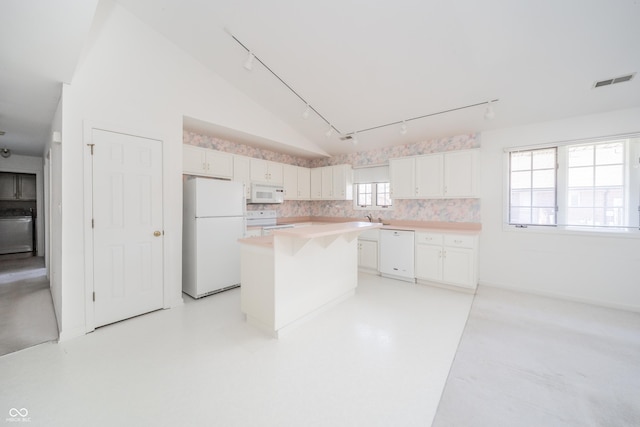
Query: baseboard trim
{"points": [[565, 297]]}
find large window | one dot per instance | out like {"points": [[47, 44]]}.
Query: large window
{"points": [[592, 185]]}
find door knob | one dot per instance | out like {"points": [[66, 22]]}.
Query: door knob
{"points": [[157, 233]]}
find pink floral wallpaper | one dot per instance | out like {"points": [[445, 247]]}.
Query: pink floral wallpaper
{"points": [[445, 210]]}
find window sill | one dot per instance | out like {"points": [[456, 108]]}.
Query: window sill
{"points": [[575, 231]]}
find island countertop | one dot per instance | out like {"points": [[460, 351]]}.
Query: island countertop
{"points": [[312, 232]]}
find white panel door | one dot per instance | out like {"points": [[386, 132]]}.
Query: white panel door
{"points": [[127, 233]]}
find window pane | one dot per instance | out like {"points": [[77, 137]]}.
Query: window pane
{"points": [[544, 159], [581, 198], [520, 216], [609, 175], [521, 179], [545, 198], [520, 198], [605, 197], [544, 216], [607, 154], [580, 155], [581, 177], [521, 161], [580, 216], [544, 178], [609, 216]]}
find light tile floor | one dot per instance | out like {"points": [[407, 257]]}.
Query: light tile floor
{"points": [[380, 358]]}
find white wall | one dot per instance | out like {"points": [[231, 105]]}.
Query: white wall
{"points": [[132, 78], [32, 165], [590, 268]]}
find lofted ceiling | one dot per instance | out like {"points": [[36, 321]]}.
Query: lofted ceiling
{"points": [[363, 64]]}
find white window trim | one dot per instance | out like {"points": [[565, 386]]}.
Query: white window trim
{"points": [[632, 232]]}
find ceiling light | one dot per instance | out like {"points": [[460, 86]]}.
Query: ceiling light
{"points": [[403, 128], [5, 152], [489, 114], [329, 132], [305, 113], [354, 139], [248, 64]]}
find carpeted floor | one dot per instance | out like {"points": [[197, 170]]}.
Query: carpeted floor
{"points": [[27, 317], [526, 360]]}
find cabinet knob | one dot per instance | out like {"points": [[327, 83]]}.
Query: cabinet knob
{"points": [[157, 233]]}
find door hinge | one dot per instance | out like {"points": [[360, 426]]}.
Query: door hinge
{"points": [[94, 297], [91, 145], [93, 223]]}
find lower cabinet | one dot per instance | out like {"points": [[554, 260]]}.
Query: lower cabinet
{"points": [[368, 255], [450, 259]]}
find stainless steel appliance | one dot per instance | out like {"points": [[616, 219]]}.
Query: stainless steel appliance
{"points": [[213, 221], [16, 234], [267, 219]]}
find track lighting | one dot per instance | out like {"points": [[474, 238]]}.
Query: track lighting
{"points": [[489, 114], [403, 128], [248, 64], [305, 113], [329, 132], [354, 139], [5, 152]]}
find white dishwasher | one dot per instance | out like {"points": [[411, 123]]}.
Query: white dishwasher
{"points": [[397, 254]]}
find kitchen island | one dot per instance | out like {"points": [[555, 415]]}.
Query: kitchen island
{"points": [[297, 272]]}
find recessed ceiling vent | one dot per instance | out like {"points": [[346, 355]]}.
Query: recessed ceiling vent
{"points": [[614, 80]]}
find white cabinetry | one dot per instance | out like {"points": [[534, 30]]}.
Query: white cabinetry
{"points": [[397, 254], [266, 171], [450, 259], [204, 162], [297, 183], [452, 174], [17, 186], [241, 173], [368, 251], [332, 183]]}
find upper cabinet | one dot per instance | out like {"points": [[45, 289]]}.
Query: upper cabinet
{"points": [[332, 183], [242, 173], [17, 186], [201, 161], [452, 174], [296, 183], [267, 172]]}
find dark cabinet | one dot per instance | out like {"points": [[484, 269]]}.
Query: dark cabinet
{"points": [[17, 186]]}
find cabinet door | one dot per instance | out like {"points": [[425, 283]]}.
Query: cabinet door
{"points": [[194, 160], [342, 182], [290, 176], [241, 173], [429, 262], [276, 172], [258, 170], [7, 186], [429, 180], [327, 182], [316, 183], [458, 266], [402, 177], [27, 186], [219, 164], [304, 183], [368, 254], [461, 173]]}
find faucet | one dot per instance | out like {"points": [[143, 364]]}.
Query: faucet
{"points": [[369, 217]]}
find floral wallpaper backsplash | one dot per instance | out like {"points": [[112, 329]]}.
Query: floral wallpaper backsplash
{"points": [[440, 210]]}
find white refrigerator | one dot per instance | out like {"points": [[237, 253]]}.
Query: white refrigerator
{"points": [[213, 221]]}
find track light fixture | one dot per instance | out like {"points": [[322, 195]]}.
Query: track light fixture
{"points": [[248, 64], [403, 128], [353, 136], [5, 152], [489, 114]]}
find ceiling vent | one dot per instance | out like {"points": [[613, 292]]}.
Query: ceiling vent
{"points": [[614, 80]]}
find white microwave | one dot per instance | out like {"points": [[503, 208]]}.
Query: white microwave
{"points": [[265, 193]]}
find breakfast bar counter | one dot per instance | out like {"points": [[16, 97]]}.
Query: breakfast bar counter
{"points": [[297, 272]]}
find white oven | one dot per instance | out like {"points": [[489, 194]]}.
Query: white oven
{"points": [[267, 219]]}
